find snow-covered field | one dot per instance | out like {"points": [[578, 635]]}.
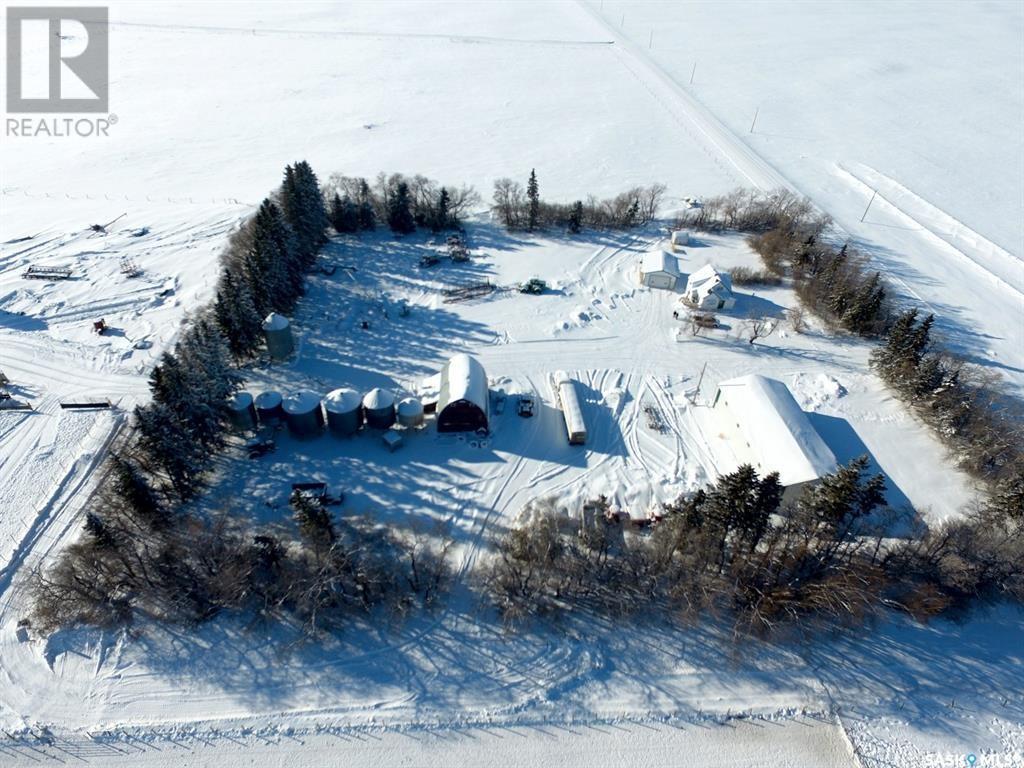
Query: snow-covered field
{"points": [[213, 100]]}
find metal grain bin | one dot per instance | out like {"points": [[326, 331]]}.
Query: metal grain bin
{"points": [[344, 411], [410, 412], [241, 412], [278, 332], [269, 408], [379, 408], [303, 414]]}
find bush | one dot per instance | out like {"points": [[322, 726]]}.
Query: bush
{"points": [[748, 276]]}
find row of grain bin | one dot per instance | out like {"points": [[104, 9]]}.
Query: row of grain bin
{"points": [[304, 413]]}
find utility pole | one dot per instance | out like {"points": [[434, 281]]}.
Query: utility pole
{"points": [[873, 193], [650, 42], [754, 121], [700, 381], [693, 72], [622, 24]]}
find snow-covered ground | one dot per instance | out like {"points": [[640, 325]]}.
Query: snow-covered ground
{"points": [[213, 100]]}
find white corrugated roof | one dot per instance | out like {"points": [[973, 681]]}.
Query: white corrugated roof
{"points": [[777, 435], [463, 378], [659, 261]]}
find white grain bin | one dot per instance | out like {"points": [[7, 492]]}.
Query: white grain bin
{"points": [[344, 411], [270, 408], [278, 332], [379, 408], [303, 414], [410, 412], [241, 411]]}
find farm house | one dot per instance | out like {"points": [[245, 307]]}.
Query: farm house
{"points": [[659, 269], [707, 288], [764, 426], [463, 400]]}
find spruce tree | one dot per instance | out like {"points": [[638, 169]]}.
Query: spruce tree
{"points": [[441, 218], [400, 217], [313, 519], [576, 217], [99, 532], [132, 489], [367, 218], [633, 214], [533, 198], [237, 316]]}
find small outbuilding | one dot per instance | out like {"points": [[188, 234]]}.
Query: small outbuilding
{"points": [[680, 239], [463, 403], [278, 333], [709, 289], [379, 408], [344, 411], [659, 269], [764, 426]]}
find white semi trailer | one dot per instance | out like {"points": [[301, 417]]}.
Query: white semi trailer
{"points": [[569, 401]]}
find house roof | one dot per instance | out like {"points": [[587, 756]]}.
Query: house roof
{"points": [[706, 277], [779, 434], [463, 378], [659, 261]]}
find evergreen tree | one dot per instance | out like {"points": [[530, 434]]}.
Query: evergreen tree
{"points": [[273, 250], [845, 496], [313, 519], [533, 198], [99, 532], [400, 217], [364, 203], [576, 217], [304, 210], [633, 214], [864, 314], [170, 447], [896, 360], [442, 218], [344, 214], [236, 315], [131, 487]]}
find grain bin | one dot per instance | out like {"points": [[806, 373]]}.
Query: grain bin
{"points": [[269, 408], [278, 332], [410, 412], [344, 411], [241, 412], [303, 414], [379, 408]]}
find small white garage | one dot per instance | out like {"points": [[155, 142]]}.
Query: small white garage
{"points": [[659, 269]]}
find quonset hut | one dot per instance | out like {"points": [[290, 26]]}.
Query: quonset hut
{"points": [[241, 411], [269, 408], [344, 412], [765, 427], [278, 332], [303, 414], [463, 402], [379, 408]]}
